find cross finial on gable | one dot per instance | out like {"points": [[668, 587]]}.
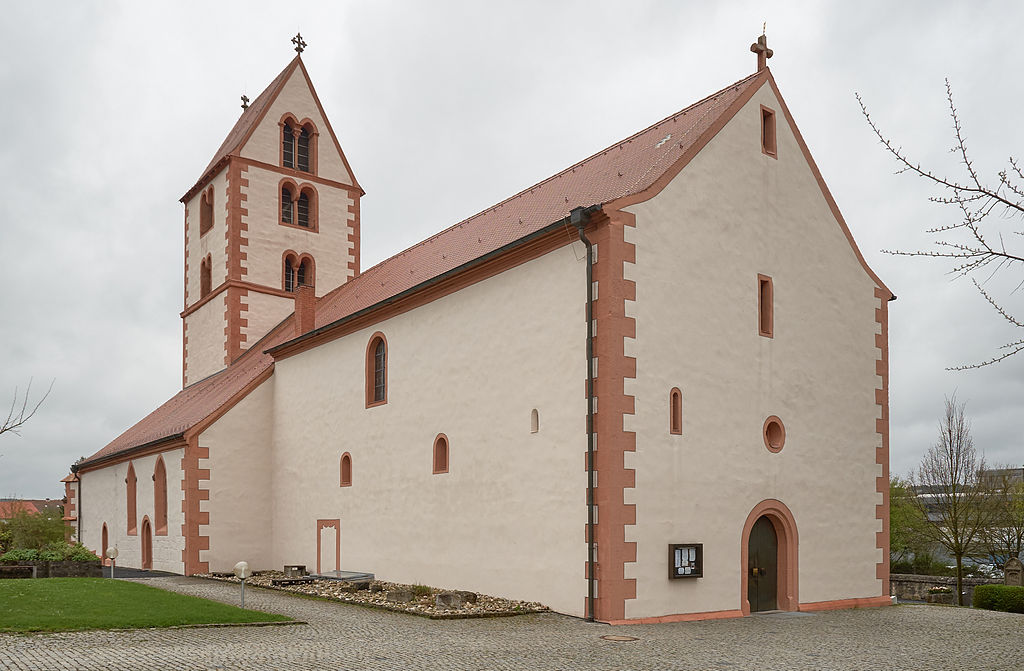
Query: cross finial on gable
{"points": [[299, 44], [245, 102], [763, 52]]}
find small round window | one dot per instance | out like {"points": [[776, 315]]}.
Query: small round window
{"points": [[774, 434]]}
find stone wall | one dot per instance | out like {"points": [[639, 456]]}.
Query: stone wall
{"points": [[63, 569], [915, 587]]}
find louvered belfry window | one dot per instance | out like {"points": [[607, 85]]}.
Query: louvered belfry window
{"points": [[303, 152], [289, 275], [303, 210], [379, 356], [288, 147], [286, 205]]}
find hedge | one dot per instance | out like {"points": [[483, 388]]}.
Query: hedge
{"points": [[52, 552], [1006, 598]]}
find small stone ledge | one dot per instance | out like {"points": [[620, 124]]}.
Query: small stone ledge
{"points": [[375, 595]]}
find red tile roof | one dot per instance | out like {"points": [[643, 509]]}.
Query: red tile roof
{"points": [[8, 509], [625, 168]]}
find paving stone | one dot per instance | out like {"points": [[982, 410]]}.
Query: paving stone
{"points": [[351, 637]]}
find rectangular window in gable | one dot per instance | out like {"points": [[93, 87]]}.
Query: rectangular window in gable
{"points": [[765, 307], [768, 142]]}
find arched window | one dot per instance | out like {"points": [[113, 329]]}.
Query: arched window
{"points": [[289, 273], [304, 274], [675, 404], [204, 276], [376, 371], [441, 454], [534, 421], [105, 544], [302, 157], [160, 497], [287, 206], [206, 211], [288, 146], [131, 482], [303, 210], [346, 470]]}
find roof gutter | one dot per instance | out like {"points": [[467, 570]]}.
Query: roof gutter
{"points": [[114, 456], [579, 218], [284, 349]]}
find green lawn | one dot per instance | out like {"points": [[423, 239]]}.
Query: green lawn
{"points": [[67, 604]]}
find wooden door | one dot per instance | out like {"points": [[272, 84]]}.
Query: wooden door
{"points": [[762, 566]]}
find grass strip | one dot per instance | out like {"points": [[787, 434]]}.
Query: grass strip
{"points": [[73, 604]]}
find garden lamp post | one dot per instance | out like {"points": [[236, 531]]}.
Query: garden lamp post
{"points": [[243, 572], [112, 556]]}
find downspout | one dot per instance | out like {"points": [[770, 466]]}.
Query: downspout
{"points": [[579, 217]]}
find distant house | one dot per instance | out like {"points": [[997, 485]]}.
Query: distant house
{"points": [[653, 386], [11, 507]]}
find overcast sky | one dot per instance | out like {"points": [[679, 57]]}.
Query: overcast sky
{"points": [[111, 110]]}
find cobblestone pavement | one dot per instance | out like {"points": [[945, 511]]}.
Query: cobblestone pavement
{"points": [[340, 636]]}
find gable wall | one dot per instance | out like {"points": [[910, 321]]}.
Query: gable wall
{"points": [[265, 142], [509, 517], [732, 213], [104, 500]]}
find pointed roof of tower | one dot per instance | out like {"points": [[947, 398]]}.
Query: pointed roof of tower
{"points": [[251, 118]]}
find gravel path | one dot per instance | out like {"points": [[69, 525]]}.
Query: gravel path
{"points": [[340, 636]]}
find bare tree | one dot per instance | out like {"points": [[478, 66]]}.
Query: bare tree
{"points": [[975, 243], [1004, 538], [952, 491], [20, 412]]}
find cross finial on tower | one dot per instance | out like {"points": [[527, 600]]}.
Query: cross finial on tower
{"points": [[299, 44], [763, 52], [245, 102]]}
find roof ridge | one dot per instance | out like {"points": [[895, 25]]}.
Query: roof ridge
{"points": [[543, 182]]}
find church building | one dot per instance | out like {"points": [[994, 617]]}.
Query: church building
{"points": [[651, 387]]}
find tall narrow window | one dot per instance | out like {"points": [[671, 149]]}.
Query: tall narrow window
{"points": [[441, 454], [675, 402], [768, 144], [346, 470], [288, 146], [534, 421], [206, 211], [303, 210], [160, 497], [765, 307], [287, 206], [205, 272], [376, 371], [105, 545], [131, 483], [289, 274], [302, 155]]}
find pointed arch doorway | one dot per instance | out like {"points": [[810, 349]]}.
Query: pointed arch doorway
{"points": [[147, 544], [769, 557]]}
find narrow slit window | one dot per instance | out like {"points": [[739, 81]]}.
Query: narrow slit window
{"points": [[289, 274], [346, 470], [675, 400], [379, 363], [376, 371], [205, 276], [441, 454], [765, 307], [534, 421], [288, 147], [768, 144]]}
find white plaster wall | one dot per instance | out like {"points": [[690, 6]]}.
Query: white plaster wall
{"points": [[265, 142], [104, 500], [732, 213], [211, 243], [509, 517], [268, 239], [240, 484], [204, 353], [265, 312]]}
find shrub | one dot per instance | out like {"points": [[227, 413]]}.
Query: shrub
{"points": [[53, 552], [421, 590], [20, 555], [1007, 598]]}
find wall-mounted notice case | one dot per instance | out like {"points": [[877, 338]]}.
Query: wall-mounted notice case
{"points": [[685, 560]]}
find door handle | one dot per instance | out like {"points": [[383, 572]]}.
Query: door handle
{"points": [[753, 572]]}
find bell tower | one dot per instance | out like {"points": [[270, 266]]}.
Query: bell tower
{"points": [[276, 208]]}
